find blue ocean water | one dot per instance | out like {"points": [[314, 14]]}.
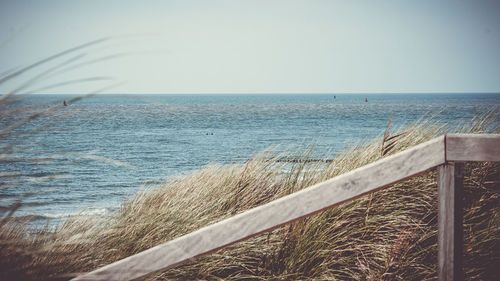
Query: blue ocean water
{"points": [[94, 153]]}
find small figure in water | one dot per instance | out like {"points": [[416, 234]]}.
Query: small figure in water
{"points": [[64, 103], [366, 100]]}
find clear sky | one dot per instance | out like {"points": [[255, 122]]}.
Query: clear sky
{"points": [[259, 46]]}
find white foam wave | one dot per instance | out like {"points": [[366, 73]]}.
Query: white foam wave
{"points": [[88, 212]]}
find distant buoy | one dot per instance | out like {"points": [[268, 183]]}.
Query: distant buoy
{"points": [[366, 100], [64, 103]]}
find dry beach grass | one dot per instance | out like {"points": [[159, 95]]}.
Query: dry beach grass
{"points": [[388, 235]]}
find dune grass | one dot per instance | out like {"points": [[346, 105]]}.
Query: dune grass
{"points": [[388, 235]]}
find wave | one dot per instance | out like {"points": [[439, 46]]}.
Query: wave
{"points": [[57, 216], [88, 212]]}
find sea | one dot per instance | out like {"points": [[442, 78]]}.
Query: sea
{"points": [[86, 158]]}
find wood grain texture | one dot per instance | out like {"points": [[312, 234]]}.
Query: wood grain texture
{"points": [[473, 147], [450, 221], [276, 213]]}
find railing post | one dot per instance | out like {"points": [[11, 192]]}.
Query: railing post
{"points": [[450, 216]]}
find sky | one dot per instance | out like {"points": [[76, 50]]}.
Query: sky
{"points": [[255, 46]]}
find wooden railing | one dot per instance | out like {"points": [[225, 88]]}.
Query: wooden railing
{"points": [[446, 152]]}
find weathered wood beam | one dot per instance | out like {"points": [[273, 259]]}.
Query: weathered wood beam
{"points": [[303, 203], [450, 216], [466, 147]]}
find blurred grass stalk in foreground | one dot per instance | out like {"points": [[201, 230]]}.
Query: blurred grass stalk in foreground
{"points": [[20, 123]]}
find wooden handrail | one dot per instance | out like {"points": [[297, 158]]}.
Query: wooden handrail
{"points": [[306, 202]]}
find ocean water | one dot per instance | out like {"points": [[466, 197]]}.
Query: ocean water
{"points": [[88, 157]]}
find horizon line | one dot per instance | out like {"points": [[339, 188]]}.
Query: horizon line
{"points": [[276, 93]]}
